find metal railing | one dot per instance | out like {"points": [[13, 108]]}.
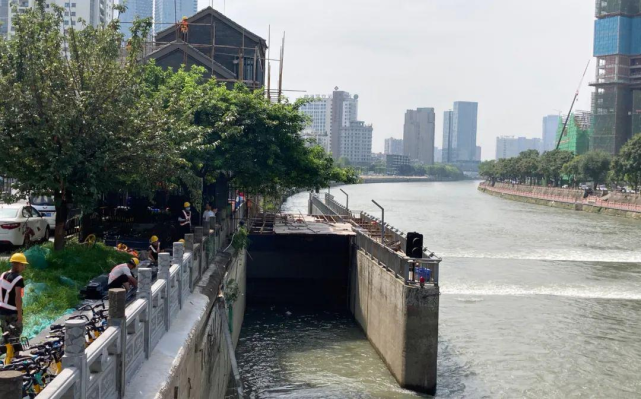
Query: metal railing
{"points": [[395, 261], [590, 200], [103, 369]]}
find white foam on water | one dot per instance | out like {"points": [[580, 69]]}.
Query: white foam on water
{"points": [[584, 292], [553, 255]]}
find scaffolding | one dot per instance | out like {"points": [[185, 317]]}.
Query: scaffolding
{"points": [[617, 7], [576, 137]]}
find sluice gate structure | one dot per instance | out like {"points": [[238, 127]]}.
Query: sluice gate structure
{"points": [[334, 258]]}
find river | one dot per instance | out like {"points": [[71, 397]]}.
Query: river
{"points": [[536, 302]]}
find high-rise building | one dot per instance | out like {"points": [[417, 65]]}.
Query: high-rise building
{"points": [[510, 147], [136, 9], [418, 135], [616, 101], [169, 12], [335, 122], [438, 155], [576, 137], [92, 12], [449, 139], [393, 146], [550, 125], [319, 109], [477, 156], [464, 125], [344, 112], [356, 143]]}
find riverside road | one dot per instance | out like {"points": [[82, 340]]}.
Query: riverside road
{"points": [[536, 302]]}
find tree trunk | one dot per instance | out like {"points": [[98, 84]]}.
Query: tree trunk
{"points": [[62, 210]]}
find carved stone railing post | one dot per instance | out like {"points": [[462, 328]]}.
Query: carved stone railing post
{"points": [[10, 384], [198, 239], [164, 264], [144, 292], [75, 355], [179, 251], [117, 299], [189, 247]]}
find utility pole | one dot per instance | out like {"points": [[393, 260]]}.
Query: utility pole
{"points": [[280, 74]]}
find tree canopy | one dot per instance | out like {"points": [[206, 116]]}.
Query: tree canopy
{"points": [[82, 116]]}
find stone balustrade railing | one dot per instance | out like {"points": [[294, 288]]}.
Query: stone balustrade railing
{"points": [[103, 369]]}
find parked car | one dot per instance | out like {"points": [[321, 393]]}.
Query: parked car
{"points": [[21, 225], [47, 208]]}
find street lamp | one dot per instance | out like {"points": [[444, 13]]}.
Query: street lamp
{"points": [[346, 201], [382, 221]]}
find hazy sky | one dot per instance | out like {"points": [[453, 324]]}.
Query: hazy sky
{"points": [[520, 60]]}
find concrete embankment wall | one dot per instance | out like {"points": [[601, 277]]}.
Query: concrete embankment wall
{"points": [[194, 360], [400, 321], [615, 205]]}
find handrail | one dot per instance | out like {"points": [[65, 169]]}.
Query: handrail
{"points": [[133, 310], [590, 200], [59, 386], [105, 339]]}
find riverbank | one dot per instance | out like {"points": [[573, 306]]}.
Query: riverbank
{"points": [[566, 199], [402, 179]]}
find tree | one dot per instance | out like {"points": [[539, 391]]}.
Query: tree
{"points": [[595, 166], [240, 135], [528, 165], [574, 170], [73, 126], [487, 169], [406, 170], [552, 164], [627, 165]]}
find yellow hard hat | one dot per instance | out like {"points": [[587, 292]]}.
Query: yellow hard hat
{"points": [[181, 240], [134, 261], [18, 258], [186, 204], [153, 239]]}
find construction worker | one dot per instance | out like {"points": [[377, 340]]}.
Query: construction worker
{"points": [[154, 249], [11, 288], [121, 277], [184, 220]]}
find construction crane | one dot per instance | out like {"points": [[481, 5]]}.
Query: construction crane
{"points": [[576, 95]]}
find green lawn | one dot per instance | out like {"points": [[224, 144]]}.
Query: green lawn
{"points": [[53, 290]]}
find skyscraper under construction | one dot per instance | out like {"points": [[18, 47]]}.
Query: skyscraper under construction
{"points": [[616, 102]]}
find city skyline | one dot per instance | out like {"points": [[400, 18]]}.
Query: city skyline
{"points": [[366, 53]]}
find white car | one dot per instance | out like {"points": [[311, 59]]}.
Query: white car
{"points": [[47, 208], [21, 225]]}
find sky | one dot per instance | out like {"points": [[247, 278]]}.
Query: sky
{"points": [[520, 60]]}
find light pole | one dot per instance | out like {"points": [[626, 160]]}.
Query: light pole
{"points": [[382, 221], [346, 201]]}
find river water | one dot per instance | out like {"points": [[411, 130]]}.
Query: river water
{"points": [[536, 302]]}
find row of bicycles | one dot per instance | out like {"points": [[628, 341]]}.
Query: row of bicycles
{"points": [[40, 363]]}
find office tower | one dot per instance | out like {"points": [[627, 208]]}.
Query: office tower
{"points": [[418, 135]]}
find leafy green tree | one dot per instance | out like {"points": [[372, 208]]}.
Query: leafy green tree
{"points": [[574, 170], [528, 166], [73, 126], [595, 166], [488, 170], [627, 165], [552, 165]]}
